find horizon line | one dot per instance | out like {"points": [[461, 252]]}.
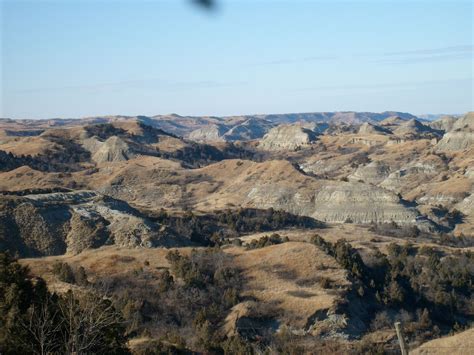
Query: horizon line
{"points": [[418, 115]]}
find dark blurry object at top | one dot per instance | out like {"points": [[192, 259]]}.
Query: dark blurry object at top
{"points": [[207, 4]]}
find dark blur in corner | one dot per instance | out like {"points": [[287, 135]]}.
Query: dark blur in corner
{"points": [[205, 4]]}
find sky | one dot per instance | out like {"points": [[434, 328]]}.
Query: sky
{"points": [[76, 58]]}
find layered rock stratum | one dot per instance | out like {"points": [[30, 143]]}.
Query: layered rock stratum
{"points": [[287, 137], [70, 222], [461, 136]]}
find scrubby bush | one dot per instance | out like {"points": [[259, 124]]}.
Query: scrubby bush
{"points": [[394, 230], [104, 130], [64, 272], [80, 277], [266, 241], [237, 345], [190, 300], [222, 227], [165, 281], [195, 155], [343, 252], [413, 279]]}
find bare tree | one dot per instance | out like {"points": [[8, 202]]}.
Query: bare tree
{"points": [[43, 324], [88, 319]]}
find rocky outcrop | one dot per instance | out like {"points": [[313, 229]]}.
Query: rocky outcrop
{"points": [[340, 129], [466, 225], [372, 173], [210, 133], [392, 121], [360, 203], [466, 206], [86, 231], [456, 140], [317, 127], [122, 141], [369, 128], [469, 173], [396, 141], [335, 202], [250, 129], [444, 124], [287, 137], [371, 142], [465, 123], [460, 137], [412, 127], [412, 175], [56, 223], [113, 149], [32, 229]]}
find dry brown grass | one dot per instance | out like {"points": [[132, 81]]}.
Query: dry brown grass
{"points": [[109, 261], [285, 277], [359, 236], [26, 145], [288, 276], [458, 344], [27, 178]]}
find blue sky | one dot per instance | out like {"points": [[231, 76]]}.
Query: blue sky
{"points": [[73, 58]]}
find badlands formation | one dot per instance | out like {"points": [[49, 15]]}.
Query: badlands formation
{"points": [[394, 170], [336, 221]]}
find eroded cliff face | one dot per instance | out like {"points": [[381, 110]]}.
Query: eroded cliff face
{"points": [[287, 137], [465, 122], [31, 229], [361, 203], [56, 223], [411, 175], [460, 137], [113, 149], [338, 203], [445, 123], [373, 173], [240, 129], [211, 133], [466, 207], [250, 129], [456, 140]]}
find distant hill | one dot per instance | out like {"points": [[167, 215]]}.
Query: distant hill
{"points": [[436, 116], [211, 128]]}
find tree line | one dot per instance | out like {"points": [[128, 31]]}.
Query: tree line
{"points": [[36, 321], [429, 291]]}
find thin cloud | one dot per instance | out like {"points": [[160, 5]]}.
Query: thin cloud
{"points": [[427, 55], [436, 51], [426, 59], [152, 84], [379, 86], [397, 57], [299, 60]]}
